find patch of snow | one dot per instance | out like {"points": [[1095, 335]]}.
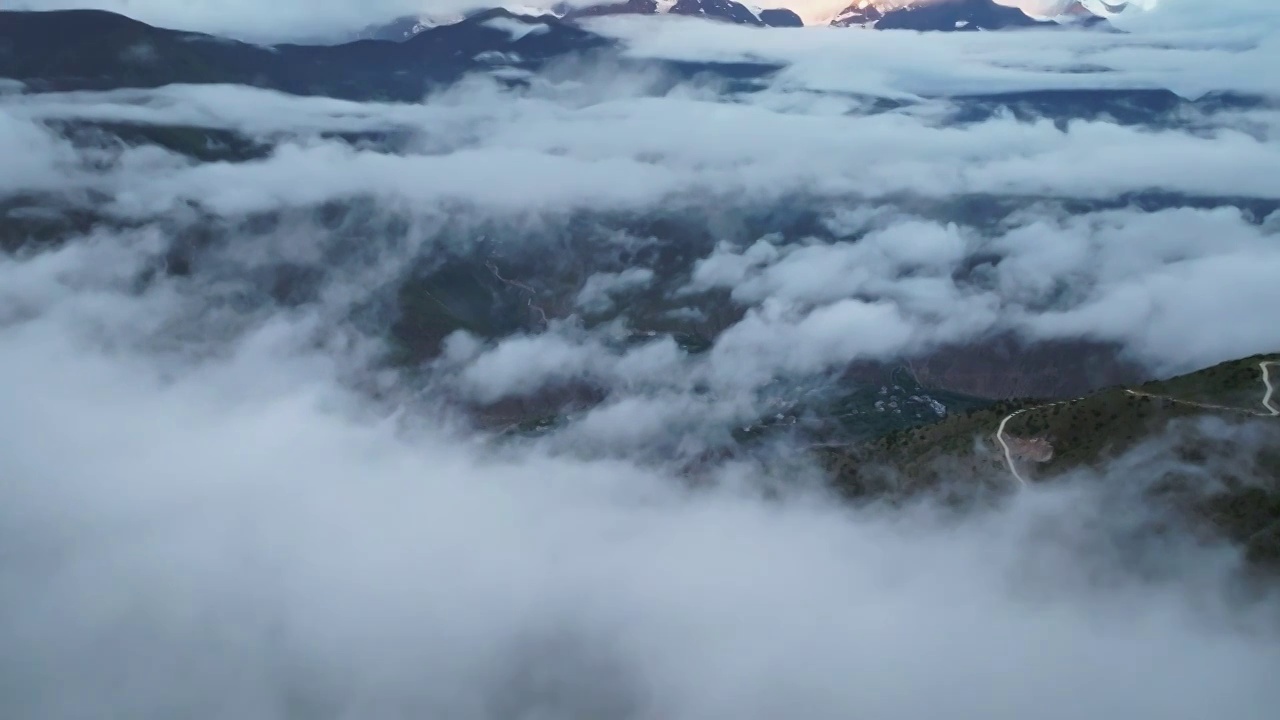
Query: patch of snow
{"points": [[529, 10], [516, 28], [427, 22], [432, 20], [811, 14], [497, 57]]}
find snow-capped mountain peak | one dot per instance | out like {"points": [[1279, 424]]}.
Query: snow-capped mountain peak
{"points": [[865, 12], [906, 14], [407, 27]]}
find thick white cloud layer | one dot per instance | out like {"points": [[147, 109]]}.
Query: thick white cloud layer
{"points": [[237, 538], [199, 517], [617, 145], [822, 11]]}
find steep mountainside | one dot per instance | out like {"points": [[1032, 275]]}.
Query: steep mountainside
{"points": [[861, 13], [1089, 429], [1032, 440], [724, 10], [962, 15], [919, 15]]}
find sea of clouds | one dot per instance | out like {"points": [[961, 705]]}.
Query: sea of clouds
{"points": [[205, 512]]}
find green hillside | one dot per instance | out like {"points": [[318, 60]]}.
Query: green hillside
{"points": [[1235, 384], [1087, 432]]}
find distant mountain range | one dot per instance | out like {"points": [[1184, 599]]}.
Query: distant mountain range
{"points": [[723, 10], [919, 15], [96, 50]]}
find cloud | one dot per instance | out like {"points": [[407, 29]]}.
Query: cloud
{"points": [[521, 366], [573, 143], [599, 291], [263, 547], [211, 471], [1178, 53], [1146, 280], [1235, 15], [35, 156], [603, 154]]}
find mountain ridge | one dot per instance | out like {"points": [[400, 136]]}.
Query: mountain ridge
{"points": [[94, 49], [1034, 441], [919, 15]]}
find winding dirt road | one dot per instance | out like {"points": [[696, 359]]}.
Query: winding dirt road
{"points": [[542, 314], [1008, 455], [1271, 411]]}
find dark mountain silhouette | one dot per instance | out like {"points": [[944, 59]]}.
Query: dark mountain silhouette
{"points": [[725, 10], [780, 17], [89, 49], [958, 15], [96, 50]]}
